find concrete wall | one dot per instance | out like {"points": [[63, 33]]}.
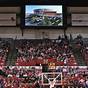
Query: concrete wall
{"points": [[78, 30], [12, 32]]}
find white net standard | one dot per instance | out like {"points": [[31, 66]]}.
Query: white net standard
{"points": [[51, 79]]}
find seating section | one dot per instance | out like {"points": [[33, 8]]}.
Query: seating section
{"points": [[19, 77], [39, 52], [30, 77], [4, 51]]}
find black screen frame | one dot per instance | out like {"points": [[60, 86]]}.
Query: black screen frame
{"points": [[64, 11]]}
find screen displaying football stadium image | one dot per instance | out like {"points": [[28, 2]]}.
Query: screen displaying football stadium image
{"points": [[43, 15]]}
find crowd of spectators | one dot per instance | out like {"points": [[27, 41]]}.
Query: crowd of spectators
{"points": [[19, 77], [76, 76], [4, 51], [30, 77], [44, 51], [38, 52], [31, 52]]}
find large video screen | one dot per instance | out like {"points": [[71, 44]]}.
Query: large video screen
{"points": [[45, 16]]}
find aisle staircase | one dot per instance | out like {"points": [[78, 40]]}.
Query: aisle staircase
{"points": [[79, 57], [12, 55]]}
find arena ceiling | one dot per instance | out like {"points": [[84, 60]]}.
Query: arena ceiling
{"points": [[67, 2]]}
